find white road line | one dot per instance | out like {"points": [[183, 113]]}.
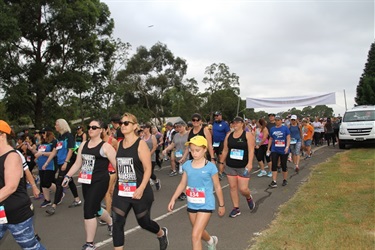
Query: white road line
{"points": [[107, 241]]}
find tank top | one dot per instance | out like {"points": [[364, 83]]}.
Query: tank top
{"points": [[130, 168], [238, 152], [111, 169], [259, 137], [150, 145], [200, 132], [92, 160], [18, 205]]}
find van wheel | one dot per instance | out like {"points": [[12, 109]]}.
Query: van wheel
{"points": [[342, 145]]}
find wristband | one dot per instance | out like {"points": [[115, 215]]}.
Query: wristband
{"points": [[67, 176], [213, 158], [221, 206]]}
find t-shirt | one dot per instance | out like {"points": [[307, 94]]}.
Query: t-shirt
{"points": [[200, 187], [279, 141], [179, 141], [219, 131], [295, 135], [64, 143], [307, 132]]}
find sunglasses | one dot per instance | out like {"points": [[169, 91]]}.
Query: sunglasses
{"points": [[195, 120], [126, 123], [93, 127]]}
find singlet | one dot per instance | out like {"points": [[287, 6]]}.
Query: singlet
{"points": [[93, 161], [30, 159], [130, 170], [191, 135], [79, 139], [17, 206], [150, 145], [238, 151], [46, 147], [259, 137]]}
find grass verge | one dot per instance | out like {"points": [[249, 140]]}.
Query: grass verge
{"points": [[335, 209]]}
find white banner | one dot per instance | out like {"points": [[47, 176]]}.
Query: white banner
{"points": [[294, 101]]}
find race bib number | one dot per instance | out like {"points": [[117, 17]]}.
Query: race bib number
{"points": [[216, 144], [196, 195], [126, 189], [178, 153], [59, 145], [293, 141], [3, 217], [88, 163], [236, 154], [279, 143]]}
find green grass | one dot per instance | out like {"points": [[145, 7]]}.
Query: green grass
{"points": [[335, 209]]}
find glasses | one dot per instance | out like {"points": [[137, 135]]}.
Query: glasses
{"points": [[93, 127], [195, 120], [126, 123]]}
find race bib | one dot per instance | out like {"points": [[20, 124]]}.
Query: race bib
{"points": [[279, 143], [42, 148], [293, 141], [88, 163], [59, 145], [178, 153], [216, 144], [195, 195], [28, 158], [126, 189], [3, 217], [236, 154]]}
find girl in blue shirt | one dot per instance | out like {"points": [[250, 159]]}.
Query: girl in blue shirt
{"points": [[199, 179]]}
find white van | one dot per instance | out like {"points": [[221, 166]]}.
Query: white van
{"points": [[358, 126]]}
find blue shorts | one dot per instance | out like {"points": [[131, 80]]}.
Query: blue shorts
{"points": [[307, 143]]}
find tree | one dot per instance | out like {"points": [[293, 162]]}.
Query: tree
{"points": [[366, 85], [52, 50]]}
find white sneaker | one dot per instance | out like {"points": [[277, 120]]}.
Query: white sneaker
{"points": [[180, 172], [269, 174], [213, 246], [262, 173]]}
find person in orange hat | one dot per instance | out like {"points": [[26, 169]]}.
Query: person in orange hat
{"points": [[16, 214]]}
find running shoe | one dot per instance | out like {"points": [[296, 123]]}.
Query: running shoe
{"points": [[45, 203], [296, 169], [75, 204], [213, 245], [307, 157], [251, 203], [62, 198], [88, 246], [173, 173], [37, 237], [102, 222], [163, 240], [180, 172], [269, 174], [235, 212], [262, 173], [110, 229], [273, 184], [285, 182], [51, 211], [157, 185]]}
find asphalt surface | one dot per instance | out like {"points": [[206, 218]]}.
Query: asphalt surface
{"points": [[65, 229]]}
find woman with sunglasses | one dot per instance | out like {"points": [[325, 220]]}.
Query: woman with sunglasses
{"points": [[238, 153], [93, 158], [133, 189], [198, 129], [64, 147]]}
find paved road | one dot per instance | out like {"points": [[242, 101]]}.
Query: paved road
{"points": [[65, 230]]}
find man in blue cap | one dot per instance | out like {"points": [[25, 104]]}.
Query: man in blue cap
{"points": [[220, 129]]}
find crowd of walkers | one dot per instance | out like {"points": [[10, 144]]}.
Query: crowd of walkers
{"points": [[116, 165]]}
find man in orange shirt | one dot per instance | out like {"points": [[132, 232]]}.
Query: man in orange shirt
{"points": [[308, 133]]}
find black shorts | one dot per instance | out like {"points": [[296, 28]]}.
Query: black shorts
{"points": [[194, 211]]}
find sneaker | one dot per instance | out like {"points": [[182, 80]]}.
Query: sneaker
{"points": [[213, 246], [173, 173], [251, 203], [152, 182], [46, 203], [273, 184], [296, 169], [269, 174], [235, 212], [61, 200], [37, 237], [262, 173], [102, 222], [182, 197], [158, 185], [88, 246], [220, 176], [51, 211], [307, 157], [75, 204], [110, 229], [285, 182], [180, 172], [163, 240]]}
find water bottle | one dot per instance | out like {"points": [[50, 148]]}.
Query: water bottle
{"points": [[245, 172]]}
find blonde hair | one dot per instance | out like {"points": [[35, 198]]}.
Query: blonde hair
{"points": [[64, 126], [133, 119]]}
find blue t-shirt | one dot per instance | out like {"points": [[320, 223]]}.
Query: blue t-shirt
{"points": [[219, 131], [295, 135], [65, 142], [200, 187], [278, 136], [46, 147]]}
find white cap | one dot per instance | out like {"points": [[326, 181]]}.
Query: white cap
{"points": [[293, 117]]}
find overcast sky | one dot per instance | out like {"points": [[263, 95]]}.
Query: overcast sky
{"points": [[277, 48]]}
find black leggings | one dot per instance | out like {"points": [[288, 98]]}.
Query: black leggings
{"points": [[142, 209], [153, 176], [93, 194], [283, 160], [260, 153], [59, 180], [157, 154]]}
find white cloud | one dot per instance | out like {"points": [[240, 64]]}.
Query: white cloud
{"points": [[277, 48]]}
